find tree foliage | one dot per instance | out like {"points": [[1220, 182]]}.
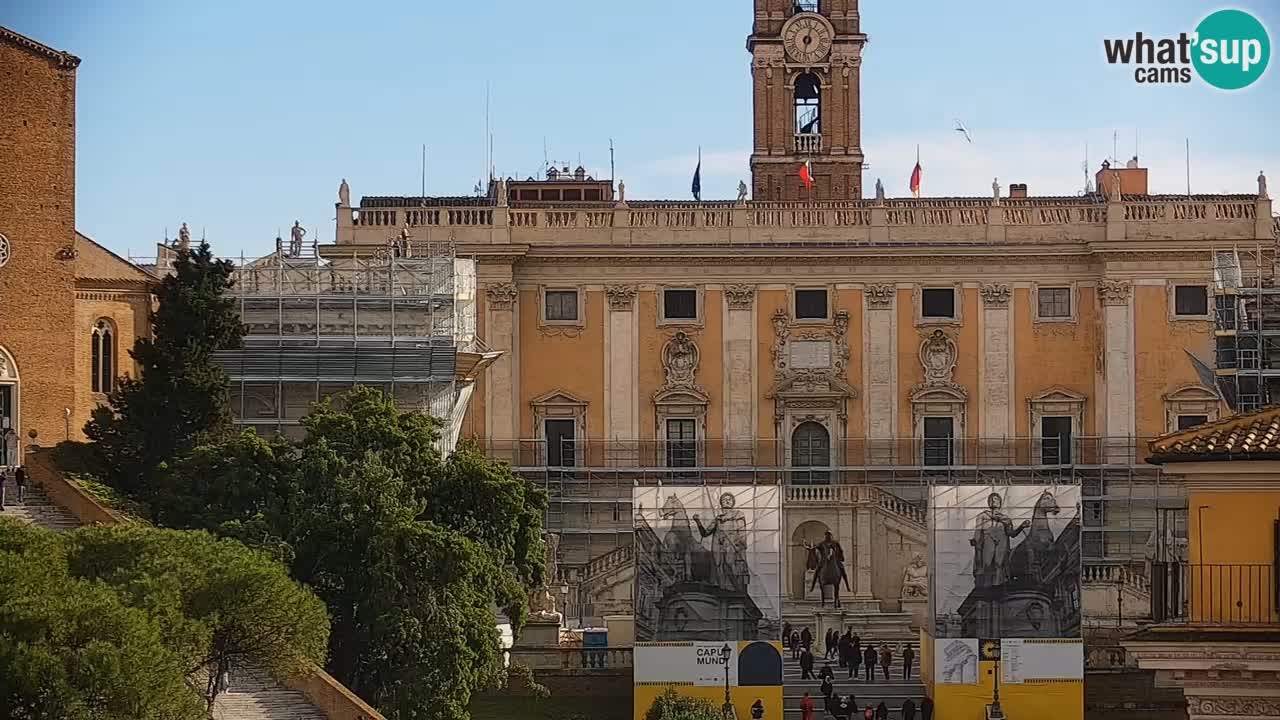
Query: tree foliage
{"points": [[409, 551], [126, 622], [671, 705], [181, 397]]}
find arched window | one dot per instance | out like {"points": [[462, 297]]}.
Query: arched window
{"points": [[808, 105], [811, 448], [102, 369]]}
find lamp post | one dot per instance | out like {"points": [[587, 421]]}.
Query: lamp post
{"points": [[727, 710]]}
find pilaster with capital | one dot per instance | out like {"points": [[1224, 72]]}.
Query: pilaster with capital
{"points": [[879, 347], [996, 360], [864, 517], [622, 370], [1116, 298], [500, 389], [739, 372]]}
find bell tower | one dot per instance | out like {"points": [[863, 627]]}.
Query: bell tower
{"points": [[806, 56]]}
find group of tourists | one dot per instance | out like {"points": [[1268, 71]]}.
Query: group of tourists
{"points": [[849, 650], [852, 654], [19, 477]]}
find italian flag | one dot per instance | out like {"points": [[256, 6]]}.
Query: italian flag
{"points": [[915, 180], [806, 175]]}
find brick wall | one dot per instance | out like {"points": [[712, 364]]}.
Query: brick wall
{"points": [[37, 215]]}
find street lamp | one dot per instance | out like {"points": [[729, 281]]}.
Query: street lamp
{"points": [[727, 711]]}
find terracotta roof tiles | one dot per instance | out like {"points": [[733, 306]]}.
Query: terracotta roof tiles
{"points": [[1252, 436]]}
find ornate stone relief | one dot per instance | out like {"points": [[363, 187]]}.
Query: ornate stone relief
{"points": [[680, 361], [809, 365], [740, 297], [1233, 706], [996, 295], [1065, 330], [502, 296], [5, 250], [880, 296], [1114, 292], [938, 355], [569, 331], [915, 578], [621, 297]]}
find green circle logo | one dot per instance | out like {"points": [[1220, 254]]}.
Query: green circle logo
{"points": [[1232, 49]]}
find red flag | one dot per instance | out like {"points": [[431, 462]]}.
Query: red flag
{"points": [[806, 176], [915, 180]]}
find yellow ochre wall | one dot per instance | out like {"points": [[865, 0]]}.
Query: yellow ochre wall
{"points": [[1160, 363], [1038, 701], [1235, 555]]}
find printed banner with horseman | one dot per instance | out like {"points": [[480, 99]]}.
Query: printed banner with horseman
{"points": [[707, 563]]}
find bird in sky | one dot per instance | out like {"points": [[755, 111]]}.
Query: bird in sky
{"points": [[960, 128]]}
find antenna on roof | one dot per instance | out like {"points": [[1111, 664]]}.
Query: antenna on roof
{"points": [[1188, 167], [1088, 182], [610, 161], [1115, 152], [424, 171], [546, 161], [487, 134]]}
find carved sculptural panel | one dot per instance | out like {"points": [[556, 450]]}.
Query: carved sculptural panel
{"points": [[938, 355]]}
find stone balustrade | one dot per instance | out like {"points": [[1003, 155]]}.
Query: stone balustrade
{"points": [[807, 143], [1116, 574], [580, 658], [1082, 213], [852, 495]]}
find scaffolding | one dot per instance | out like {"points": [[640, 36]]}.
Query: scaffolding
{"points": [[391, 317], [1131, 513], [1246, 315]]}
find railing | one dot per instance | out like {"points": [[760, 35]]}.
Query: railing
{"points": [[1214, 594], [938, 212], [808, 143], [1116, 574], [730, 456], [585, 658]]}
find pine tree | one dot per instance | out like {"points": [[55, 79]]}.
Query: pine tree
{"points": [[181, 398]]}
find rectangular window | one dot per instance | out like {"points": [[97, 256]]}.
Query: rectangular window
{"points": [[1093, 545], [939, 440], [1186, 422], [811, 304], [1055, 440], [562, 305], [1054, 302], [680, 304], [938, 303], [560, 443], [682, 443], [1190, 300]]}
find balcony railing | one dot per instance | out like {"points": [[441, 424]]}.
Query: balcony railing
{"points": [[704, 458], [1214, 594], [808, 143]]}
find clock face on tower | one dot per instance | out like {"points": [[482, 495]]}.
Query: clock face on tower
{"points": [[807, 38]]}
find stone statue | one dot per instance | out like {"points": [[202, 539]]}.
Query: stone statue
{"points": [[826, 559], [622, 193], [728, 533], [344, 194], [992, 536], [1116, 195], [879, 191], [542, 604], [295, 238], [680, 360], [1262, 185], [915, 578], [184, 238], [995, 190], [742, 191]]}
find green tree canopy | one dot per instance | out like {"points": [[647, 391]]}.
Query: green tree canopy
{"points": [[409, 551], [123, 622], [181, 397], [671, 705]]}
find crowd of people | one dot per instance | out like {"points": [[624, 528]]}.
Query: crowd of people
{"points": [[853, 654]]}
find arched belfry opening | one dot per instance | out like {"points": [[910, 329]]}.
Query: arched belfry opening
{"points": [[808, 104]]}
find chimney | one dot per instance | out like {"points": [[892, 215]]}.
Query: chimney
{"points": [[1017, 190], [1131, 179]]}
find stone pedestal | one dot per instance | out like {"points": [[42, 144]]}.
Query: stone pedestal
{"points": [[918, 609], [538, 645], [622, 630], [825, 620], [811, 592]]}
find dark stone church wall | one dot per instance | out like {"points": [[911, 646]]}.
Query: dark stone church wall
{"points": [[1129, 694]]}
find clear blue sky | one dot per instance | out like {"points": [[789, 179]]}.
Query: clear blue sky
{"points": [[240, 117]]}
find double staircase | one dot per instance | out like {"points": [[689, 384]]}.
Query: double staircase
{"points": [[36, 509]]}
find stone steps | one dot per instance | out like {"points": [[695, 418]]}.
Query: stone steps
{"points": [[892, 692], [36, 509]]}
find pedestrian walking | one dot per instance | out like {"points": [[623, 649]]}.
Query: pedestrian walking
{"points": [[855, 659], [806, 665], [795, 645], [926, 709], [882, 711], [786, 635], [908, 709], [806, 639], [806, 707], [869, 659], [908, 657], [869, 713], [828, 687], [20, 479], [886, 659]]}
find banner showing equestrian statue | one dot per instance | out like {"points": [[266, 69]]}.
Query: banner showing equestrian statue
{"points": [[707, 563], [1006, 561]]}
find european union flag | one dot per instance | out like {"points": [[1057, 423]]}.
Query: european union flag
{"points": [[697, 178]]}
